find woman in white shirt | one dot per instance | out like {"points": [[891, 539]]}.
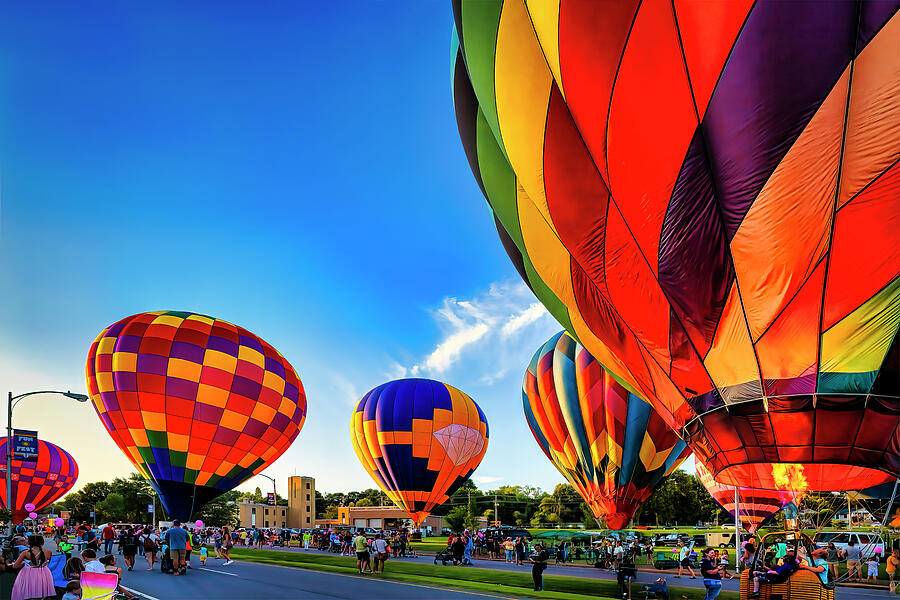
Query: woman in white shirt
{"points": [[380, 546]]}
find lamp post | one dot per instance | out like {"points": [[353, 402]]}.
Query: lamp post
{"points": [[274, 491], [153, 499], [11, 403]]}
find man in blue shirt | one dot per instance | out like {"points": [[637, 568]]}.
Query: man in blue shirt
{"points": [[177, 539]]}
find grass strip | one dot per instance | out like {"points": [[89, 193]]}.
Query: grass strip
{"points": [[558, 587]]}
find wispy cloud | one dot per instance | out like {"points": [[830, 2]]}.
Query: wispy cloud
{"points": [[485, 334], [485, 479]]}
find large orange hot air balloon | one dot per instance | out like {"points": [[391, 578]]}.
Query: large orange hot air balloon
{"points": [[707, 196], [197, 404], [611, 445], [420, 440]]}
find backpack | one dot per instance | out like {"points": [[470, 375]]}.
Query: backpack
{"points": [[149, 544]]}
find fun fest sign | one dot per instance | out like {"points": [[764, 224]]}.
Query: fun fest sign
{"points": [[25, 445]]}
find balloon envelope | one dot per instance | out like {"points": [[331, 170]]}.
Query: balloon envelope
{"points": [[756, 506], [644, 162], [40, 483], [420, 440], [611, 445], [197, 404]]}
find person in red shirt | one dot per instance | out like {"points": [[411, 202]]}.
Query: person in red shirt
{"points": [[108, 535]]}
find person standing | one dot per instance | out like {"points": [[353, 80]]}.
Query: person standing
{"points": [[684, 560], [891, 567], [129, 548], [380, 546], [34, 579], [852, 555], [90, 540], [711, 573], [872, 569], [151, 547], [177, 539], [470, 546], [725, 562], [520, 550], [360, 544], [227, 544], [539, 564], [306, 537]]}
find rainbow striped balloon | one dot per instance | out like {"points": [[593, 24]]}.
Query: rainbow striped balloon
{"points": [[611, 445]]}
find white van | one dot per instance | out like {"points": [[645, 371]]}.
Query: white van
{"points": [[868, 543]]}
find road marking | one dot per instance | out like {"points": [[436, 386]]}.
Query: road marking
{"points": [[138, 593], [219, 572]]}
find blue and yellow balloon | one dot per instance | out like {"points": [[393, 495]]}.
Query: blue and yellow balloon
{"points": [[420, 440]]}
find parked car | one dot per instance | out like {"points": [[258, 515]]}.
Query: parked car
{"points": [[868, 543]]}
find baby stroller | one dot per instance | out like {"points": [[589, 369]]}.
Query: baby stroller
{"points": [[165, 560], [659, 589], [444, 556]]}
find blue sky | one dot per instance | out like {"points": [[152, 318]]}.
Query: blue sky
{"points": [[291, 167]]}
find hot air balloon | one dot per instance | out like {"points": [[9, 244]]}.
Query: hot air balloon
{"points": [[707, 196], [197, 404], [420, 440], [611, 445], [38, 483], [756, 506]]}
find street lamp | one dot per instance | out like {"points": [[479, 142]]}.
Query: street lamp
{"points": [[12, 402], [274, 491], [153, 498]]}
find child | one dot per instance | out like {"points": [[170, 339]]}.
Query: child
{"points": [[65, 547], [204, 552], [872, 574], [73, 591]]}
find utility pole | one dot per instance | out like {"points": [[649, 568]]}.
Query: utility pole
{"points": [[737, 529], [496, 511], [849, 517]]}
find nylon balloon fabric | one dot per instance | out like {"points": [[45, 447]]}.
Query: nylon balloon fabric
{"points": [[707, 196], [420, 440], [41, 481], [611, 445], [197, 404], [756, 506]]}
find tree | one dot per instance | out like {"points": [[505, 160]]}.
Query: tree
{"points": [[221, 511], [112, 508], [364, 502], [331, 512], [456, 518], [679, 499]]}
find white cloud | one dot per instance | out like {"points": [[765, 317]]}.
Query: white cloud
{"points": [[488, 334], [485, 479]]}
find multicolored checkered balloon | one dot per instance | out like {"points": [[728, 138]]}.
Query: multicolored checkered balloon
{"points": [[420, 440], [37, 483], [197, 404]]}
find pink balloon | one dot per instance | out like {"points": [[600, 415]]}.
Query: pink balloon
{"points": [[199, 524], [29, 507], [59, 522], [32, 515]]}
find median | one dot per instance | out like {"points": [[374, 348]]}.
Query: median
{"points": [[495, 581]]}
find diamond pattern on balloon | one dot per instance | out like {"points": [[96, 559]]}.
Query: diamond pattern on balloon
{"points": [[461, 443]]}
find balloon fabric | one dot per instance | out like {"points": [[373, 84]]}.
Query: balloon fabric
{"points": [[197, 404], [707, 197], [37, 484], [611, 445], [420, 440]]}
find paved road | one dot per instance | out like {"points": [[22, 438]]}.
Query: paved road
{"points": [[842, 592], [245, 580]]}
